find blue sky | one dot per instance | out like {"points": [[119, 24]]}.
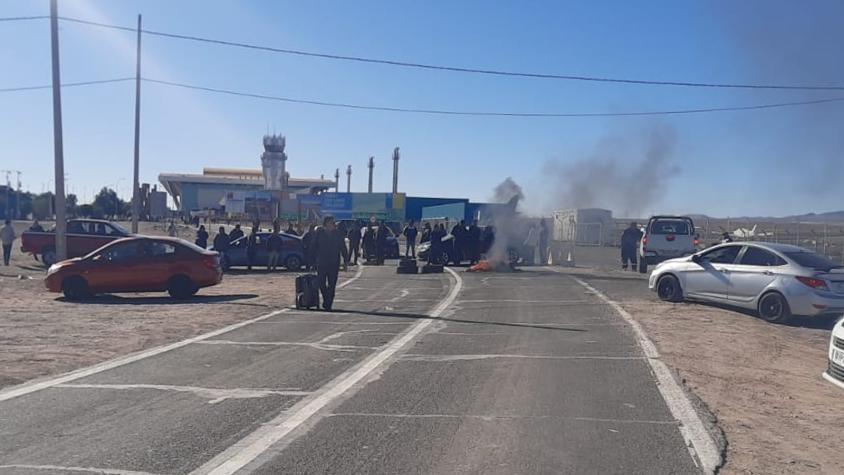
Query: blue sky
{"points": [[775, 162]]}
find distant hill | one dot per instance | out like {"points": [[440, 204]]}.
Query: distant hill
{"points": [[832, 217]]}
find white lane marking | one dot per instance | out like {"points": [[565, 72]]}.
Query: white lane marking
{"points": [[692, 427], [38, 385], [316, 346], [404, 293], [438, 358], [253, 445], [314, 322], [494, 417], [520, 301], [102, 471], [357, 275], [214, 395]]}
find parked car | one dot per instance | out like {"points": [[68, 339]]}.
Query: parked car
{"points": [[137, 264], [292, 255], [666, 237], [775, 280], [83, 236], [835, 367]]}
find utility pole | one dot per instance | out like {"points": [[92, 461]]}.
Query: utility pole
{"points": [[349, 179], [371, 167], [58, 146], [8, 210], [18, 201], [136, 186], [337, 180]]}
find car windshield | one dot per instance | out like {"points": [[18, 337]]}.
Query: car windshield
{"points": [[120, 228], [812, 260]]}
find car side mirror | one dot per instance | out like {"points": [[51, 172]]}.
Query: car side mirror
{"points": [[696, 258]]}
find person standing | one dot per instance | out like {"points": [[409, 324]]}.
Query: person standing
{"points": [[543, 242], [202, 237], [474, 242], [328, 247], [369, 251], [629, 242], [251, 247], [171, 230], [273, 249], [222, 241], [410, 233], [436, 252], [7, 238], [459, 233], [307, 240], [36, 227], [354, 242], [381, 243], [290, 229], [236, 233], [426, 233]]}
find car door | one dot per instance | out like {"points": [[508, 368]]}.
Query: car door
{"points": [[111, 270], [709, 278], [156, 266], [755, 270]]}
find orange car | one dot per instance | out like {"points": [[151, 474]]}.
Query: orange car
{"points": [[137, 264]]}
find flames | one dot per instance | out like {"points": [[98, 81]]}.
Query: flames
{"points": [[491, 265]]}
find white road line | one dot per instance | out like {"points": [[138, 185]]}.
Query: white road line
{"points": [[253, 445], [493, 301], [494, 417], [692, 427], [214, 395], [440, 358], [323, 322], [102, 471], [39, 384], [316, 346]]}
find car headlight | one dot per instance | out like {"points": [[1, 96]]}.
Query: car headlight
{"points": [[53, 269]]}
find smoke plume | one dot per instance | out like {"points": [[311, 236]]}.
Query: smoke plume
{"points": [[626, 173], [507, 190]]}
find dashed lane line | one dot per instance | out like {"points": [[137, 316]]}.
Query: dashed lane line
{"points": [[309, 409]]}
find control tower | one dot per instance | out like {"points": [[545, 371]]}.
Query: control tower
{"points": [[273, 163]]}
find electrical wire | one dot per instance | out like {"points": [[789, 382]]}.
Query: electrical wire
{"points": [[24, 18], [491, 113], [67, 84], [493, 72]]}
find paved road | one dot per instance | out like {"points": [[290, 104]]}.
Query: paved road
{"points": [[463, 373]]}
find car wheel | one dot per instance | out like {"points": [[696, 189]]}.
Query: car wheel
{"points": [[643, 266], [293, 263], [773, 308], [75, 288], [668, 289], [48, 256], [181, 287]]}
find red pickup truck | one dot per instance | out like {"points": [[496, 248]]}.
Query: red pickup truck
{"points": [[83, 236]]}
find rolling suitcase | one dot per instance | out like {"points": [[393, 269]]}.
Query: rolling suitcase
{"points": [[307, 291], [407, 266]]}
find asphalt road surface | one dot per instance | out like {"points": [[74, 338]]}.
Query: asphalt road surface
{"points": [[450, 373]]}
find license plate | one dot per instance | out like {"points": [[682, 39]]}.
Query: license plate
{"points": [[838, 357]]}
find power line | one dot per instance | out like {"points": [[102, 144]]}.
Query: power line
{"points": [[492, 72], [67, 84], [24, 18], [496, 114]]}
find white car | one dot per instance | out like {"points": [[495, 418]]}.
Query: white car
{"points": [[835, 368], [775, 280], [666, 237]]}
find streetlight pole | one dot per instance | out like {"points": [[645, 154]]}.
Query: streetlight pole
{"points": [[58, 146], [136, 193]]}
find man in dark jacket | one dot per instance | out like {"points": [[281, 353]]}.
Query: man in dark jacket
{"points": [[251, 247], [410, 233], [474, 242], [381, 242], [236, 233], [328, 246], [459, 233], [274, 244], [222, 242], [307, 240], [629, 242], [201, 237], [354, 242]]}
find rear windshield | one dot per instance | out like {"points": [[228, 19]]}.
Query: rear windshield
{"points": [[812, 260], [670, 226]]}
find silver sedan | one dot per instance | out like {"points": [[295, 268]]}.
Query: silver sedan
{"points": [[775, 280]]}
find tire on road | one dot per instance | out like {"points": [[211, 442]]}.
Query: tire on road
{"points": [[75, 288], [181, 287], [293, 262], [48, 256], [668, 289], [773, 308]]}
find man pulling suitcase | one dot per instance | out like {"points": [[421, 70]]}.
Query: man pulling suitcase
{"points": [[328, 246]]}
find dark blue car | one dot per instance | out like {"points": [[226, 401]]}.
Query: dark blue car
{"points": [[292, 255]]}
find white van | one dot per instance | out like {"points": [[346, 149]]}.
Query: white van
{"points": [[667, 237]]}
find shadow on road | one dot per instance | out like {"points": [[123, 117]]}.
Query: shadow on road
{"points": [[108, 299], [825, 322], [417, 316]]}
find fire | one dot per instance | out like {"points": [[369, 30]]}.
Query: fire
{"points": [[489, 265]]}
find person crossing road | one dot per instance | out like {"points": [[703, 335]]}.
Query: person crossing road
{"points": [[328, 246]]}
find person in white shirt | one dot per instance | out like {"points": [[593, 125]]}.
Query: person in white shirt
{"points": [[7, 238]]}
